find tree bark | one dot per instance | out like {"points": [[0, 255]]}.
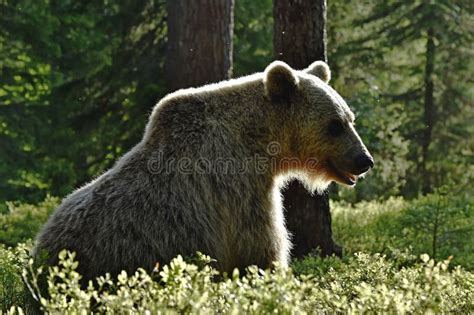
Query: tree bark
{"points": [[199, 49], [299, 39], [299, 31], [429, 115]]}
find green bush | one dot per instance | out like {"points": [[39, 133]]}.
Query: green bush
{"points": [[365, 283], [22, 222], [12, 290], [441, 224]]}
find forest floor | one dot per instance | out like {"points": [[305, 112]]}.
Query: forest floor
{"points": [[405, 256]]}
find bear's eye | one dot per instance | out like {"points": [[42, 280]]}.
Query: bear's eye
{"points": [[335, 128]]}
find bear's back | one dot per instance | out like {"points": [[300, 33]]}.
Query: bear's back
{"points": [[145, 211]]}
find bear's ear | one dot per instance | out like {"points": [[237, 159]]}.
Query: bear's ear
{"points": [[320, 69], [280, 81]]}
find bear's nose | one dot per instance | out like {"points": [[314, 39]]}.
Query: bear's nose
{"points": [[363, 162]]}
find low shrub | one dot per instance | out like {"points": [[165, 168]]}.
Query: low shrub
{"points": [[363, 283], [22, 222], [441, 224], [12, 289], [401, 279]]}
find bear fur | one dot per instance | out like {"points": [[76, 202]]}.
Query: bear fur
{"points": [[166, 197]]}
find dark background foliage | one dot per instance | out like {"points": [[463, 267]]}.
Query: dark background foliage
{"points": [[78, 79]]}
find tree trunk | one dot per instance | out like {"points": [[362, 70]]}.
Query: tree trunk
{"points": [[300, 39], [199, 42], [299, 31], [429, 115]]}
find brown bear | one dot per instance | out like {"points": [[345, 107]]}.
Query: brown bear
{"points": [[207, 174]]}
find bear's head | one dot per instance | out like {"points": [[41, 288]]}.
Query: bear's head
{"points": [[318, 123]]}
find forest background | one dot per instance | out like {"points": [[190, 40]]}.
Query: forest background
{"points": [[78, 80]]}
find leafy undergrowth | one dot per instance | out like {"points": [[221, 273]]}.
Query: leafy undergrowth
{"points": [[401, 279], [362, 283], [22, 221], [440, 224]]}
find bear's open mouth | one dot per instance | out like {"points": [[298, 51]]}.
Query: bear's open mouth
{"points": [[344, 177]]}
